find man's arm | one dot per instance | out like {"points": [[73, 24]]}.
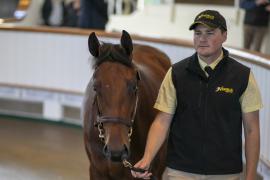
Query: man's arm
{"points": [[252, 143], [156, 137]]}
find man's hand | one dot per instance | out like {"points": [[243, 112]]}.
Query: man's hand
{"points": [[142, 164]]}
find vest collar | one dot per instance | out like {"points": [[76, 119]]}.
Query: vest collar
{"points": [[194, 66]]}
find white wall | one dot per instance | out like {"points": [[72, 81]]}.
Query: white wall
{"points": [[45, 60]]}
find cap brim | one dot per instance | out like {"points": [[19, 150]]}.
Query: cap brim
{"points": [[210, 25]]}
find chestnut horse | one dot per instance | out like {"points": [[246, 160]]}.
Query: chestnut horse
{"points": [[118, 109]]}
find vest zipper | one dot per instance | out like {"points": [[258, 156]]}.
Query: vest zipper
{"points": [[200, 96], [205, 128]]}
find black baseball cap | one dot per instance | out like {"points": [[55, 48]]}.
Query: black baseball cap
{"points": [[210, 18]]}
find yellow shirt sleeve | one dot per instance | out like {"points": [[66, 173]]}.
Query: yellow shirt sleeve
{"points": [[251, 99], [166, 100]]}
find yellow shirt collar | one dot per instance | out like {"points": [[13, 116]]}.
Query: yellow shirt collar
{"points": [[213, 64]]}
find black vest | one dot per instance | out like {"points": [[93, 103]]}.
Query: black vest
{"points": [[206, 131]]}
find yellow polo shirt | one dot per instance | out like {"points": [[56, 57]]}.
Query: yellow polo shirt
{"points": [[166, 101]]}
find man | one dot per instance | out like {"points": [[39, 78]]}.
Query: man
{"points": [[93, 14], [256, 22], [202, 103], [52, 12]]}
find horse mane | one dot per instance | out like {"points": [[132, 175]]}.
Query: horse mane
{"points": [[113, 53]]}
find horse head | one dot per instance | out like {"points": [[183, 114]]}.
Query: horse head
{"points": [[115, 84]]}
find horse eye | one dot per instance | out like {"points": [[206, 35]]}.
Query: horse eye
{"points": [[132, 86], [135, 87], [96, 87]]}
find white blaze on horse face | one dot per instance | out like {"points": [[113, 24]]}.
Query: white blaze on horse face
{"points": [[116, 135]]}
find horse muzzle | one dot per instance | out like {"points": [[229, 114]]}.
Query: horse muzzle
{"points": [[116, 155]]}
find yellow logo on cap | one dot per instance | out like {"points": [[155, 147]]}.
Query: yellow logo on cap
{"points": [[224, 89], [207, 16]]}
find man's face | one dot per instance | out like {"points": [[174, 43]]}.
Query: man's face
{"points": [[208, 41]]}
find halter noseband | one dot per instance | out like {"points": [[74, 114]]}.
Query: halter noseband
{"points": [[108, 119]]}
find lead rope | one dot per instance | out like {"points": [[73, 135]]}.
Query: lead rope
{"points": [[129, 165]]}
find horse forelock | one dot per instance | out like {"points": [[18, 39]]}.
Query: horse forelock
{"points": [[112, 53]]}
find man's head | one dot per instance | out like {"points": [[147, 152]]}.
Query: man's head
{"points": [[210, 18], [210, 32]]}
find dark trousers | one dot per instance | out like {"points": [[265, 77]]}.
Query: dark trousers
{"points": [[253, 37]]}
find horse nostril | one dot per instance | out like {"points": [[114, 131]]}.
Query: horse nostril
{"points": [[105, 150], [116, 155], [125, 153]]}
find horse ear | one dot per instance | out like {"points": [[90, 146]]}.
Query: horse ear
{"points": [[93, 44], [126, 42]]}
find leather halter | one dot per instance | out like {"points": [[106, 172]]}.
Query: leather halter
{"points": [[119, 120]]}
